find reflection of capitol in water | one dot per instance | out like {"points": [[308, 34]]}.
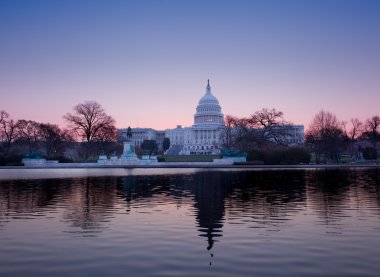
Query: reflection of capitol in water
{"points": [[202, 191], [213, 199]]}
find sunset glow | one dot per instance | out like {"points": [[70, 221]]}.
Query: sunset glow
{"points": [[147, 62]]}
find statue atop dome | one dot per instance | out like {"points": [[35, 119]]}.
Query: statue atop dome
{"points": [[208, 88], [208, 110]]}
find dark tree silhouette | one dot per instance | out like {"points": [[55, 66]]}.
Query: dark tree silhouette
{"points": [[271, 125], [3, 116], [28, 131], [7, 131], [262, 129], [230, 124], [149, 146], [372, 130], [326, 136], [53, 138], [353, 134], [166, 144], [91, 123]]}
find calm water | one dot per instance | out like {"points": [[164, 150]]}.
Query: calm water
{"points": [[196, 223]]}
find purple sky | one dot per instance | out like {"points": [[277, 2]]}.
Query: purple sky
{"points": [[147, 62]]}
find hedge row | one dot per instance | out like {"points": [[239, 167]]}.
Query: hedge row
{"points": [[281, 156]]}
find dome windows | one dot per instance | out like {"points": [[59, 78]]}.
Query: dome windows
{"points": [[208, 109]]}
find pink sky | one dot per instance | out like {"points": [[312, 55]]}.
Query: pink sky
{"points": [[148, 65]]}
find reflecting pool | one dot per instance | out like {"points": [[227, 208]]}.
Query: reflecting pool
{"points": [[191, 223]]}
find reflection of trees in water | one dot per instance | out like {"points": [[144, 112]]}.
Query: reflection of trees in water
{"points": [[263, 198], [266, 198], [27, 199], [140, 190], [27, 196], [86, 202], [91, 202], [327, 193], [23, 199], [370, 182], [333, 193]]}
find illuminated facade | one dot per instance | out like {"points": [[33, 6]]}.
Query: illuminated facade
{"points": [[204, 137]]}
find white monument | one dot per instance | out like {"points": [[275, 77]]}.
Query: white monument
{"points": [[128, 152], [129, 156], [204, 137]]}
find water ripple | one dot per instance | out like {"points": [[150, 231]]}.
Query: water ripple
{"points": [[201, 223]]}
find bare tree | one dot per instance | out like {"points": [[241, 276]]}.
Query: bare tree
{"points": [[7, 131], [53, 138], [264, 128], [356, 129], [326, 136], [90, 121], [229, 132], [372, 130], [28, 131], [354, 133], [106, 136], [244, 136], [3, 116], [270, 126]]}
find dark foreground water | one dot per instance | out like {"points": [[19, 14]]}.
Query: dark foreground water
{"points": [[197, 223]]}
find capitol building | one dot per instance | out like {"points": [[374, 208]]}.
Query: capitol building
{"points": [[204, 137]]}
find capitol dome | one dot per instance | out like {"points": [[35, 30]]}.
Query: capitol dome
{"points": [[208, 110]]}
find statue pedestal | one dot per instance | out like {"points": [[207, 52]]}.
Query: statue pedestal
{"points": [[128, 152], [102, 157], [128, 157], [33, 162]]}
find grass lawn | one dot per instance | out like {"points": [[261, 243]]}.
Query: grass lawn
{"points": [[344, 158], [192, 158]]}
